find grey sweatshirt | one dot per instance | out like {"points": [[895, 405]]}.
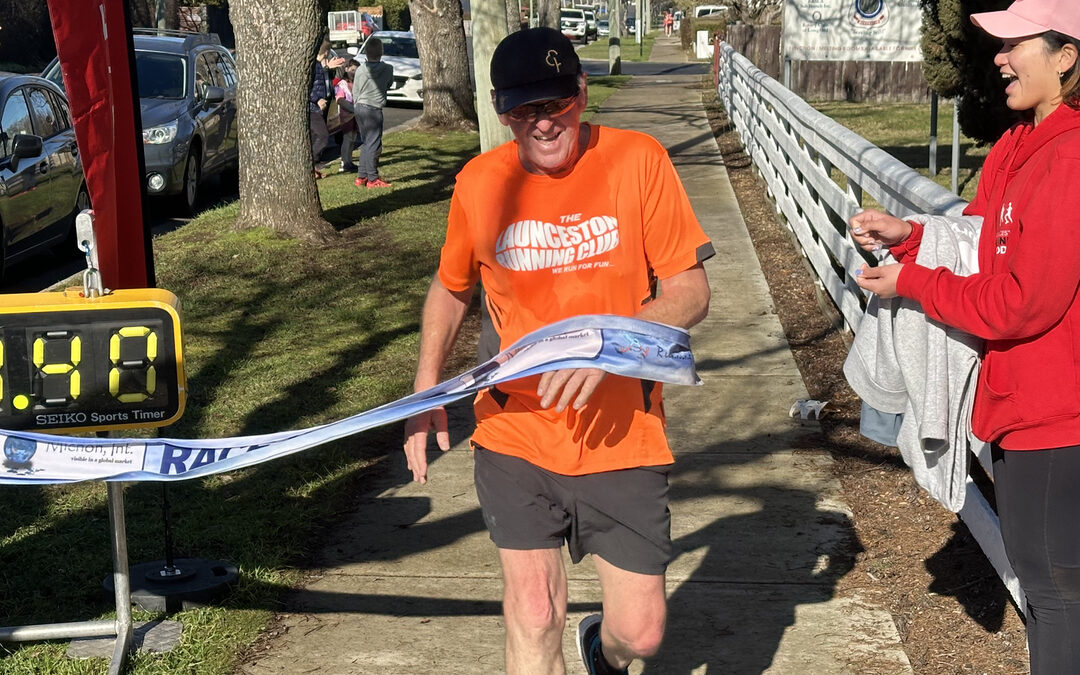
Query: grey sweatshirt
{"points": [[904, 362], [371, 82]]}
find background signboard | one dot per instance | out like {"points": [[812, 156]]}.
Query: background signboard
{"points": [[852, 30]]}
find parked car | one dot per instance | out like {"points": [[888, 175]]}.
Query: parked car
{"points": [[572, 24], [42, 187], [399, 50], [603, 28], [591, 30], [708, 10], [187, 97]]}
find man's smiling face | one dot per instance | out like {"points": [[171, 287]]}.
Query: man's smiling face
{"points": [[548, 142]]}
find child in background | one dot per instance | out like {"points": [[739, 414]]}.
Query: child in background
{"points": [[343, 92], [372, 81]]}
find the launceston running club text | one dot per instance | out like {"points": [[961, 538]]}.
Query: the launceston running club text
{"points": [[530, 245]]}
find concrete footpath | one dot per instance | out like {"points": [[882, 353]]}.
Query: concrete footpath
{"points": [[411, 583]]}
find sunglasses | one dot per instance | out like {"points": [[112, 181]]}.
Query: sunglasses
{"points": [[554, 108]]}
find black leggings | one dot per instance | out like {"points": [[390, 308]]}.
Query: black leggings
{"points": [[320, 136], [1038, 501]]}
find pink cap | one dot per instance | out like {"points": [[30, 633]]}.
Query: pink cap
{"points": [[1031, 17]]}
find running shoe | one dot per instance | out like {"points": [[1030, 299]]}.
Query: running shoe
{"points": [[588, 645]]}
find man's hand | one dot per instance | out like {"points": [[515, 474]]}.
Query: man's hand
{"points": [[335, 62], [873, 229], [564, 386], [880, 280], [416, 435]]}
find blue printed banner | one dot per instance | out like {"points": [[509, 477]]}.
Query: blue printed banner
{"points": [[618, 345]]}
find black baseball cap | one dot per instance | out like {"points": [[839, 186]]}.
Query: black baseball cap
{"points": [[535, 64]]}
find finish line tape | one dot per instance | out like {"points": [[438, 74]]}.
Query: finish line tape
{"points": [[617, 345]]}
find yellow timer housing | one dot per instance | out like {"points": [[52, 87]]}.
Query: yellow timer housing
{"points": [[75, 363]]}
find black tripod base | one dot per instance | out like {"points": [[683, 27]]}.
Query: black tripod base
{"points": [[191, 583]]}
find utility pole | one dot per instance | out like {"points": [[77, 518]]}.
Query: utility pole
{"points": [[614, 41], [638, 24]]}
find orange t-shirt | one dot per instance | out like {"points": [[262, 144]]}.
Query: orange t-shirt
{"points": [[591, 242]]}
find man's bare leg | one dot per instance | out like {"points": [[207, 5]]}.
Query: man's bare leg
{"points": [[534, 606], [635, 613]]}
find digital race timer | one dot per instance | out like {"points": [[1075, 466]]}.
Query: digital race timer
{"points": [[75, 363]]}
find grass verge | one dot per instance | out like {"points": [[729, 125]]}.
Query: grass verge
{"points": [[903, 131], [631, 49], [278, 335]]}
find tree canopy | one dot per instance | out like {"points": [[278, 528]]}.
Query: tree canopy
{"points": [[958, 61]]}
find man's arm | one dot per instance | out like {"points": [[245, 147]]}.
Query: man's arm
{"points": [[346, 105], [683, 302], [388, 80], [444, 310]]}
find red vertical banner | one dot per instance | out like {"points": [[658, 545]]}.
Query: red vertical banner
{"points": [[95, 50]]}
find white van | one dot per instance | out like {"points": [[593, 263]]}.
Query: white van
{"points": [[705, 10]]}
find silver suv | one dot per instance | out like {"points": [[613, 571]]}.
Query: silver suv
{"points": [[187, 99]]}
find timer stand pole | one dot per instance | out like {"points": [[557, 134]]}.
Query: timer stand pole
{"points": [[170, 568], [123, 627], [125, 630], [121, 579]]}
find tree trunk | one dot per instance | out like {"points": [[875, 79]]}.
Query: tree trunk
{"points": [[142, 13], [548, 13], [513, 16], [172, 14], [444, 61], [488, 29], [275, 49]]}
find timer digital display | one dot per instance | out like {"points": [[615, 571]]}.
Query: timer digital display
{"points": [[77, 364]]}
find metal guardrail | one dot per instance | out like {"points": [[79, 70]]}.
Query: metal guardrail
{"points": [[800, 153]]}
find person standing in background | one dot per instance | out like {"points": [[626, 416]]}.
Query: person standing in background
{"points": [[318, 101], [370, 84]]}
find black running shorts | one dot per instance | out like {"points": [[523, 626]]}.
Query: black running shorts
{"points": [[621, 516]]}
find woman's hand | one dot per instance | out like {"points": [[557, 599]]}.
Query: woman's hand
{"points": [[880, 280], [873, 229]]}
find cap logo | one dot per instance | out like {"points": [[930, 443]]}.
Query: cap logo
{"points": [[553, 61]]}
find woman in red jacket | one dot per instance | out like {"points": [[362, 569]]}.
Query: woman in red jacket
{"points": [[1024, 303]]}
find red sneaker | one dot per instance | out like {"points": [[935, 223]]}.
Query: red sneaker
{"points": [[377, 183], [360, 182]]}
